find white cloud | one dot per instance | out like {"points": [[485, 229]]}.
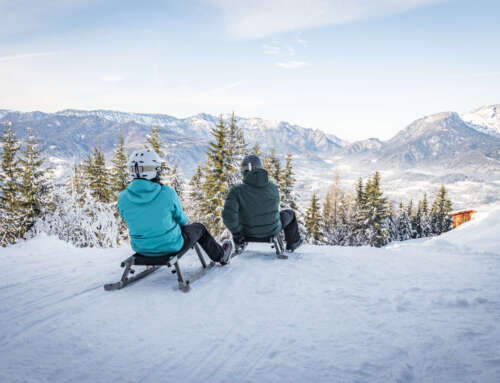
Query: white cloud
{"points": [[302, 42], [260, 18], [271, 49], [291, 64]]}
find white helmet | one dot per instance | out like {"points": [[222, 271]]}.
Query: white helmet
{"points": [[145, 163]]}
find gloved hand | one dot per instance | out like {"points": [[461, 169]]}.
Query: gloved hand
{"points": [[238, 239]]}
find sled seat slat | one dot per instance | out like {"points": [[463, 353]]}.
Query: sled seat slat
{"points": [[259, 240]]}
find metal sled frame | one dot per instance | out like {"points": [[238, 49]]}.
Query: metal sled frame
{"points": [[154, 263], [276, 243]]}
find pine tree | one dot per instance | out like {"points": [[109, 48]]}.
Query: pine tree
{"points": [[331, 209], [276, 172], [156, 143], [287, 194], [313, 221], [344, 222], [34, 183], [425, 220], [98, 177], [196, 196], [9, 189], [392, 222], [256, 150], [120, 175], [440, 220], [176, 182], [403, 224], [411, 212], [272, 164], [217, 172], [376, 204], [359, 216], [236, 149]]}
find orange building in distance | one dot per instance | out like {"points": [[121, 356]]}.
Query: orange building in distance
{"points": [[461, 216]]}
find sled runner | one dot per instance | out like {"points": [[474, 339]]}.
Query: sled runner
{"points": [[154, 263], [276, 243]]}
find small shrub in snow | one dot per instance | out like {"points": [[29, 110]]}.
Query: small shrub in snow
{"points": [[80, 220]]}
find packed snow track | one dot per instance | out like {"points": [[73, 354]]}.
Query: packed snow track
{"points": [[419, 311]]}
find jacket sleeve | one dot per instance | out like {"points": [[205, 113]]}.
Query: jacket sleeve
{"points": [[179, 216], [231, 212]]}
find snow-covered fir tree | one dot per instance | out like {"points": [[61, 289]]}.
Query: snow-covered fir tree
{"points": [[34, 187], [76, 182], [341, 235], [176, 181], [97, 176], [236, 149], [392, 222], [440, 220], [196, 195], [357, 232], [120, 174], [288, 198], [403, 224], [155, 142], [313, 221], [215, 187], [10, 218], [330, 209], [256, 150], [376, 224], [425, 219]]}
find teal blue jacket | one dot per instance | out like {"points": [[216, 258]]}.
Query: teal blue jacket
{"points": [[154, 216]]}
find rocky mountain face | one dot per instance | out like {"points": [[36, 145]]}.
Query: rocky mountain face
{"points": [[442, 139], [442, 148]]}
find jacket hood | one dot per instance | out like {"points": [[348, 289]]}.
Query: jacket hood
{"points": [[142, 191], [257, 178]]}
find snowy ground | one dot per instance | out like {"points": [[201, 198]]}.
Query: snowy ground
{"points": [[419, 311]]}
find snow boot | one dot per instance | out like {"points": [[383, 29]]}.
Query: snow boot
{"points": [[228, 249], [294, 246]]}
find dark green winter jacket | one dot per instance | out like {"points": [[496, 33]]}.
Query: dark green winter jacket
{"points": [[252, 208]]}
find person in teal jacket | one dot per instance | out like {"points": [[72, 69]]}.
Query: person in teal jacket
{"points": [[252, 208], [154, 216]]}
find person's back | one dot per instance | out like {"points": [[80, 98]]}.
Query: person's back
{"points": [[252, 210], [154, 217]]}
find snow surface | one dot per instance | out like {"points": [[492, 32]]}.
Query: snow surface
{"points": [[416, 311]]}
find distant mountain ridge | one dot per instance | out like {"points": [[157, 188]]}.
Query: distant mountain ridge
{"points": [[444, 147]]}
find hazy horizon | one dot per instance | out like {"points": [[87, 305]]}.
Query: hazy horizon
{"points": [[355, 69]]}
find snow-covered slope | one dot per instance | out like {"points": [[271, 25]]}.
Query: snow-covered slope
{"points": [[416, 311], [485, 119]]}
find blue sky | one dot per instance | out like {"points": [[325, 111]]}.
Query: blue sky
{"points": [[356, 68]]}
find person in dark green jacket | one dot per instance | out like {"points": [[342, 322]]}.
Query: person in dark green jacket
{"points": [[251, 209], [154, 216]]}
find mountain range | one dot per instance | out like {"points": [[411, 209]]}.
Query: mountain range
{"points": [[462, 151]]}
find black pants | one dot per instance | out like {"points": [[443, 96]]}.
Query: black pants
{"points": [[290, 226], [196, 232]]}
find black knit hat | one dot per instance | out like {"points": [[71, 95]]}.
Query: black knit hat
{"points": [[250, 162]]}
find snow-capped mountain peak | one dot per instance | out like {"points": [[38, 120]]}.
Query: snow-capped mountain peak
{"points": [[485, 119]]}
